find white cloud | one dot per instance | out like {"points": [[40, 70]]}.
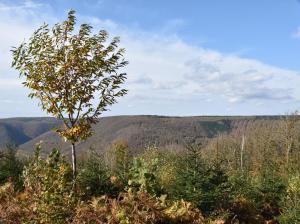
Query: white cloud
{"points": [[25, 5], [165, 76], [178, 69], [17, 22]]}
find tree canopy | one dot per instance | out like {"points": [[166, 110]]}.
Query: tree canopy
{"points": [[75, 76]]}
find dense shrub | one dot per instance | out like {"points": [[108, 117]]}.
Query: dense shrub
{"points": [[119, 160], [48, 184], [143, 176], [203, 184], [11, 167], [154, 187], [291, 202], [258, 196], [95, 178], [271, 188], [47, 197]]}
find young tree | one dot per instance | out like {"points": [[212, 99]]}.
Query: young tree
{"points": [[290, 129], [74, 76]]}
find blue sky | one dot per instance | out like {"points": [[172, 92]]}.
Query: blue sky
{"points": [[258, 29], [186, 57]]}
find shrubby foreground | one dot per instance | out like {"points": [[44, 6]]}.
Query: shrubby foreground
{"points": [[248, 176]]}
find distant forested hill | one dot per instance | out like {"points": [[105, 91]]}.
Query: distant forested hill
{"points": [[138, 131], [18, 131]]}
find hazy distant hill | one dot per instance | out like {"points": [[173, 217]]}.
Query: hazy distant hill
{"points": [[140, 131], [20, 130]]}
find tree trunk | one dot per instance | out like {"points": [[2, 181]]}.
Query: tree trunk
{"points": [[242, 153], [288, 150], [74, 162]]}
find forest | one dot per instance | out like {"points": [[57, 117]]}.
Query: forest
{"points": [[248, 175]]}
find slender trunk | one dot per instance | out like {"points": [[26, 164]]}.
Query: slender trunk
{"points": [[288, 150], [235, 159], [74, 162], [242, 153], [218, 149]]}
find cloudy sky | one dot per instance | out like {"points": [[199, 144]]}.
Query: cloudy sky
{"points": [[192, 57]]}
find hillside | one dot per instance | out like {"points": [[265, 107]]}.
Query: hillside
{"points": [[17, 131], [140, 131]]}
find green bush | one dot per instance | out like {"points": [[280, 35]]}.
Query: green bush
{"points": [[11, 167], [203, 184], [260, 193], [48, 184], [94, 178], [143, 176], [291, 202], [271, 188], [162, 187], [119, 160]]}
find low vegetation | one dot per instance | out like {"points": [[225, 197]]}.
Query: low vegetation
{"points": [[251, 175]]}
